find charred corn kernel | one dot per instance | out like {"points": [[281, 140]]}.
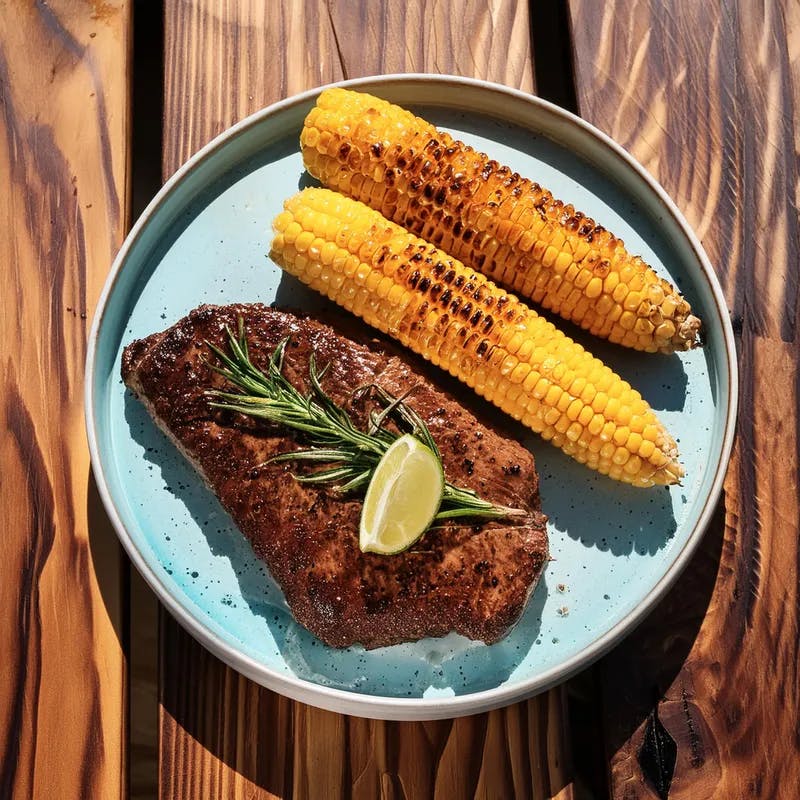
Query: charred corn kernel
{"points": [[491, 219], [461, 321]]}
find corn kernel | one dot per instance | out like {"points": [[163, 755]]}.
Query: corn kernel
{"points": [[509, 364], [574, 432], [666, 330], [632, 301], [519, 373], [611, 282], [623, 415], [562, 424], [621, 456], [282, 221], [549, 257], [551, 416], [541, 389], [655, 294], [594, 288], [612, 407], [314, 270], [600, 402], [633, 465], [668, 306], [620, 292], [646, 449], [621, 435], [607, 451], [362, 272], [564, 402], [553, 396], [582, 279], [596, 424], [607, 433], [292, 231], [586, 414], [589, 393], [574, 409]]}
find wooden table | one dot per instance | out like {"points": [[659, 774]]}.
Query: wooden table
{"points": [[705, 97]]}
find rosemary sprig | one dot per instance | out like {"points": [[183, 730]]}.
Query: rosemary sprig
{"points": [[348, 455]]}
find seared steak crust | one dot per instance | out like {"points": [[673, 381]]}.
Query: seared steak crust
{"points": [[473, 579]]}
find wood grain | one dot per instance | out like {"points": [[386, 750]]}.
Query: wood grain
{"points": [[707, 98], [224, 59], [64, 132], [221, 735]]}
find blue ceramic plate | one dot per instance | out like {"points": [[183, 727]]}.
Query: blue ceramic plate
{"points": [[616, 550]]}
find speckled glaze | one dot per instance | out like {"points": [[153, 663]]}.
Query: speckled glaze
{"points": [[616, 549]]}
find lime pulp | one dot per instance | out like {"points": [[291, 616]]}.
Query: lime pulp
{"points": [[402, 498]]}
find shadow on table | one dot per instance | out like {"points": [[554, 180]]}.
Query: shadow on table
{"points": [[111, 567]]}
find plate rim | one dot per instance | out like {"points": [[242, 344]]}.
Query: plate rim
{"points": [[381, 706]]}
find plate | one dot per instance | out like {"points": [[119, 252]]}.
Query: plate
{"points": [[616, 550]]}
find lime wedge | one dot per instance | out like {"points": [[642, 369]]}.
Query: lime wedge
{"points": [[402, 498]]}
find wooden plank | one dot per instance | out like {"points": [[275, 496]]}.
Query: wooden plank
{"points": [[707, 97], [64, 134], [221, 735], [224, 60]]}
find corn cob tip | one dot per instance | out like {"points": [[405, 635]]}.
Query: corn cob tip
{"points": [[670, 475], [689, 333]]}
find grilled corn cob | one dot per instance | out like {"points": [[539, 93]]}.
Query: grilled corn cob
{"points": [[493, 220], [461, 321]]}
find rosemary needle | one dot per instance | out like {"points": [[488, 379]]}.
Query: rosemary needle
{"points": [[347, 455]]}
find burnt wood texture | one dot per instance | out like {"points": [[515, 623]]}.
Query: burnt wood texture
{"points": [[64, 132], [220, 734], [706, 95]]}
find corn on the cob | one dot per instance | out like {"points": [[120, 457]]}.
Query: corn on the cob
{"points": [[493, 220], [461, 321]]}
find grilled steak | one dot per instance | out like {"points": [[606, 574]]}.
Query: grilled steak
{"points": [[473, 579]]}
